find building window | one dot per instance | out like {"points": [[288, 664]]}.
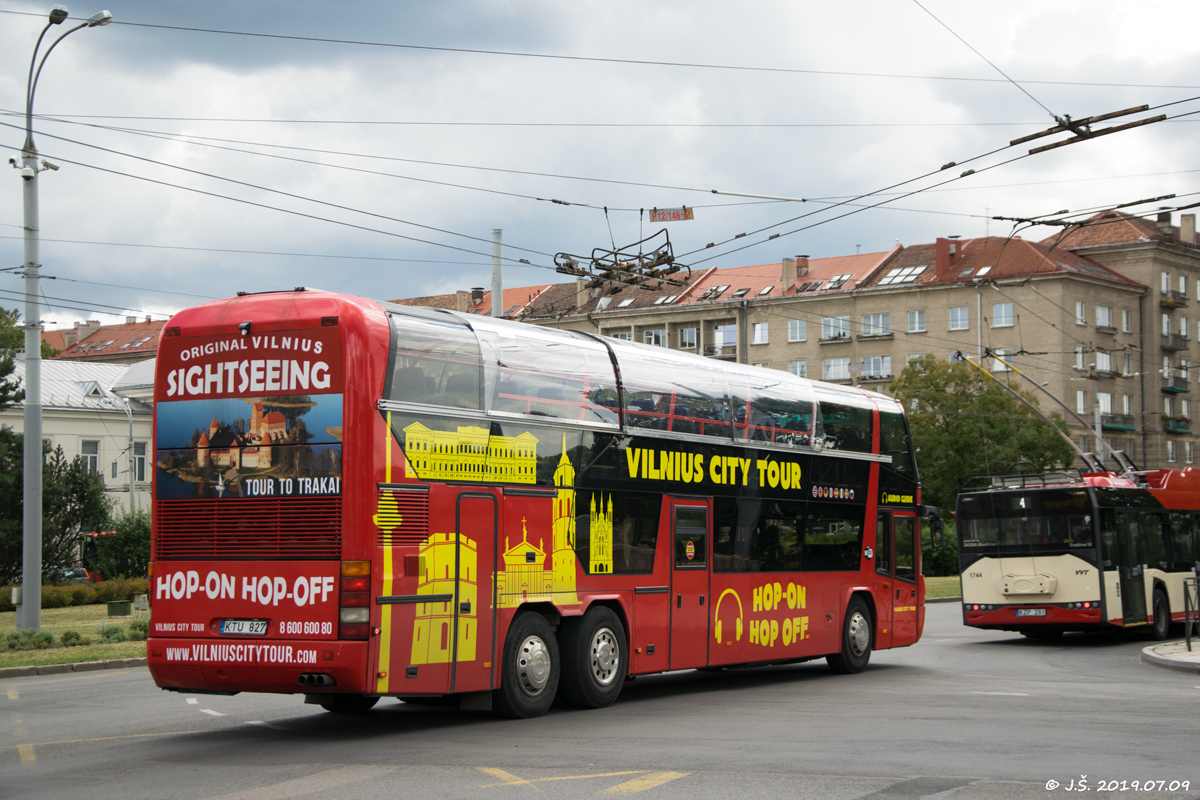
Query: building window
{"points": [[1004, 353], [1184, 327], [725, 336], [1183, 370], [1166, 324], [1078, 356], [758, 333], [1104, 317], [1127, 404], [1080, 313], [877, 367], [1105, 400], [835, 369], [913, 357], [835, 328], [622, 335], [1103, 361], [1166, 366], [1185, 409], [1002, 316], [687, 338], [139, 461], [1168, 407], [876, 324], [916, 321], [959, 319], [89, 451], [798, 368], [1126, 320], [1081, 401], [1183, 285], [657, 338], [797, 330], [1127, 365], [1166, 282], [1170, 452], [1187, 452]]}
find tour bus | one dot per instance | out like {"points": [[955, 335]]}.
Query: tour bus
{"points": [[354, 499], [1044, 554]]}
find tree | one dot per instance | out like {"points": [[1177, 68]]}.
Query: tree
{"points": [[964, 424], [12, 336], [127, 552]]}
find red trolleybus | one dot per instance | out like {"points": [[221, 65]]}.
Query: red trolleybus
{"points": [[354, 499], [1044, 554]]}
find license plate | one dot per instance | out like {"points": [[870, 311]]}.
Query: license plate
{"points": [[244, 627], [1031, 612]]}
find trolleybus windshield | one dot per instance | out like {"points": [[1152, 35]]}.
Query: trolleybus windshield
{"points": [[1022, 523]]}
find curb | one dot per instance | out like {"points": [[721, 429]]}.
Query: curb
{"points": [[954, 599], [1170, 663], [59, 669]]}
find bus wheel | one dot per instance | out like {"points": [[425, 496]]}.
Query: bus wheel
{"points": [[856, 640], [594, 659], [1162, 616], [529, 674], [348, 703]]}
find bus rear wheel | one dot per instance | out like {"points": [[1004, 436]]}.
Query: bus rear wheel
{"points": [[529, 673], [1162, 616], [856, 640], [348, 703], [594, 659]]}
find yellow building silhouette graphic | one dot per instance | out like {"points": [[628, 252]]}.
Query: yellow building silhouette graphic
{"points": [[526, 577], [469, 454], [600, 538], [432, 639]]}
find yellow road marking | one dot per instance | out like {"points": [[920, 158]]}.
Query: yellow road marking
{"points": [[27, 754], [102, 739], [645, 782], [512, 780], [12, 693]]}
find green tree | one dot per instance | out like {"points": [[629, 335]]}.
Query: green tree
{"points": [[127, 552], [963, 423], [12, 336]]}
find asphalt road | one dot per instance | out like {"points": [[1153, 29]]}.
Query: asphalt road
{"points": [[963, 714]]}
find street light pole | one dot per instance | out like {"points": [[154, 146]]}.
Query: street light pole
{"points": [[29, 613]]}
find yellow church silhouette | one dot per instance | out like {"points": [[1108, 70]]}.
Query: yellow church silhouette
{"points": [[600, 538], [470, 453], [432, 639]]}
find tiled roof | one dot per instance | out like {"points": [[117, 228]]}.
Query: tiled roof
{"points": [[447, 301], [1110, 228], [126, 341], [514, 301], [834, 274]]}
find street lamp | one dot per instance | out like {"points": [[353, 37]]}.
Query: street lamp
{"points": [[29, 614]]}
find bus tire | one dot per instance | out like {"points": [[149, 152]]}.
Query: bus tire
{"points": [[1161, 628], [857, 636], [529, 673], [594, 659], [348, 703]]}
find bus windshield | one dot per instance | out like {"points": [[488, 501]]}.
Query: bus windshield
{"points": [[1044, 521]]}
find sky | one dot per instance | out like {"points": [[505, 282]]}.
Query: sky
{"points": [[217, 147]]}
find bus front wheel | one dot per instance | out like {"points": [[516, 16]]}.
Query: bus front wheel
{"points": [[529, 674], [1162, 616], [594, 659], [856, 639], [348, 703]]}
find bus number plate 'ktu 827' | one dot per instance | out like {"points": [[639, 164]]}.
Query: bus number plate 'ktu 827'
{"points": [[1031, 612], [244, 627]]}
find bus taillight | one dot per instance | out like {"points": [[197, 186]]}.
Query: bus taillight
{"points": [[354, 612]]}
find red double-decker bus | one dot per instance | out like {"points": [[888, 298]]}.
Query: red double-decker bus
{"points": [[356, 500]]}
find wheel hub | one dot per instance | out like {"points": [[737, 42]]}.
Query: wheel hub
{"points": [[533, 665], [605, 656], [858, 634]]}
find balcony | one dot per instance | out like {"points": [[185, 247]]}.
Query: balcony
{"points": [[868, 377], [1108, 329], [724, 351], [1173, 300], [836, 338], [1174, 341], [1176, 425], [1176, 384], [875, 336], [1117, 422]]}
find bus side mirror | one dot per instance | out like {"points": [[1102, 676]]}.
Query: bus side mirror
{"points": [[934, 515]]}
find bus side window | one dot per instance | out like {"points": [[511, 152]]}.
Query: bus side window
{"points": [[1154, 541], [725, 535], [833, 538], [1108, 539], [1183, 557], [883, 543]]}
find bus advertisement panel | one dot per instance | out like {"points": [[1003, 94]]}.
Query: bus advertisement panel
{"points": [[518, 518]]}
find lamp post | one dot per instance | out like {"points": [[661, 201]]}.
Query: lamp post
{"points": [[29, 614]]}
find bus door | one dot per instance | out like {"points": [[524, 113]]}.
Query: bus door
{"points": [[883, 567], [1129, 566], [473, 609], [898, 558], [689, 584]]}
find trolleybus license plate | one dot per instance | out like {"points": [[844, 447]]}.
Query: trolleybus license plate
{"points": [[1021, 612], [244, 627]]}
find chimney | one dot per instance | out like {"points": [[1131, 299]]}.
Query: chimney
{"points": [[581, 292], [1164, 224], [476, 295], [945, 254], [86, 329], [130, 320], [148, 318], [462, 300], [1187, 228], [789, 273], [801, 266]]}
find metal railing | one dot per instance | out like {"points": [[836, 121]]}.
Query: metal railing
{"points": [[1191, 609]]}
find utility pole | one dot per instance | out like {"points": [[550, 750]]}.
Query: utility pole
{"points": [[497, 274]]}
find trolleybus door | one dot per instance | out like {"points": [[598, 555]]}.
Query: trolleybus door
{"points": [[689, 585], [1129, 565]]}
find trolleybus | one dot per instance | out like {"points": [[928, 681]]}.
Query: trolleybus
{"points": [[1045, 554], [356, 500]]}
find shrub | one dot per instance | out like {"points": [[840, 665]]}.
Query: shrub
{"points": [[84, 641], [82, 594], [107, 591], [6, 603], [30, 640], [139, 630], [70, 638], [111, 634], [56, 596]]}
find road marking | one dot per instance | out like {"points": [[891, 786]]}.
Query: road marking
{"points": [[310, 784], [512, 780], [645, 782], [27, 754], [1003, 694], [507, 777], [191, 701], [12, 693], [262, 724], [102, 739], [210, 711]]}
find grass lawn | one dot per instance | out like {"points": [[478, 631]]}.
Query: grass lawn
{"points": [[85, 620], [945, 586]]}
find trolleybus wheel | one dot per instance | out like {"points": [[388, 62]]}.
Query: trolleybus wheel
{"points": [[348, 703], [1162, 616], [593, 654], [529, 673], [856, 639]]}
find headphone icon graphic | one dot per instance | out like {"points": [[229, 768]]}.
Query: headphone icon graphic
{"points": [[717, 614]]}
